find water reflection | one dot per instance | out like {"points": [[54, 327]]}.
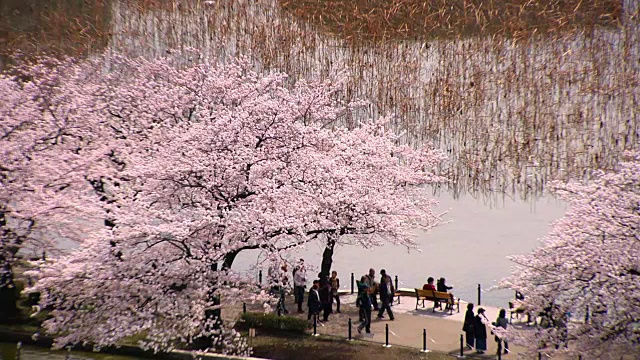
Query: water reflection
{"points": [[512, 113]]}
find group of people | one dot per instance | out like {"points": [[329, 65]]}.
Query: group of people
{"points": [[368, 292], [324, 292], [476, 330], [321, 296]]}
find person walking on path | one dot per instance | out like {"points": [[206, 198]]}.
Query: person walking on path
{"points": [[335, 286], [468, 327], [359, 297], [392, 290], [385, 297], [313, 300], [373, 287], [325, 297], [502, 322], [480, 332], [365, 305]]}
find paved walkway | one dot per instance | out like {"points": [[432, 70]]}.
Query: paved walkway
{"points": [[443, 329]]}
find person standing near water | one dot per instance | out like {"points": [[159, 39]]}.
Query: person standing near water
{"points": [[325, 296], [335, 286], [468, 327], [313, 300], [502, 322], [480, 332], [299, 283]]}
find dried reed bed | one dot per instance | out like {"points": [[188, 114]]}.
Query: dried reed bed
{"points": [[410, 19], [54, 26], [512, 112]]}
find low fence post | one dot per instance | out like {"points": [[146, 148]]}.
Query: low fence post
{"points": [[349, 330], [386, 336], [244, 308], [424, 341], [539, 355], [479, 290], [461, 346], [260, 276], [352, 280], [396, 283]]}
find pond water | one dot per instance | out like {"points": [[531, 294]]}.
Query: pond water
{"points": [[8, 352], [513, 113], [469, 250]]}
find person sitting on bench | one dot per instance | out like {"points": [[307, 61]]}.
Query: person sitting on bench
{"points": [[429, 284], [442, 287]]}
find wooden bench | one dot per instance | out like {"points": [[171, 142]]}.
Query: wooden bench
{"points": [[396, 294], [437, 297]]}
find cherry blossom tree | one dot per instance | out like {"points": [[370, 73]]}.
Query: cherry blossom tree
{"points": [[48, 155], [584, 281], [189, 164]]}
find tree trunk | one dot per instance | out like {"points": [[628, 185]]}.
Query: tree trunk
{"points": [[327, 255], [9, 294], [229, 258]]}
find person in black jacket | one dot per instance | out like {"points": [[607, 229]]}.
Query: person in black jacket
{"points": [[386, 296], [480, 332], [325, 297], [335, 287], [313, 301], [441, 286], [468, 326]]}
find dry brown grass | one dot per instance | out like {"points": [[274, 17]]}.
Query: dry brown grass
{"points": [[54, 27], [401, 19], [546, 93]]}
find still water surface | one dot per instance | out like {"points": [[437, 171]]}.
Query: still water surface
{"points": [[469, 250]]}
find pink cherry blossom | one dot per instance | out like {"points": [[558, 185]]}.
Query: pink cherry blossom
{"points": [[586, 273], [190, 165]]}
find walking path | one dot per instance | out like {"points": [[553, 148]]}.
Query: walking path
{"points": [[443, 329]]}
